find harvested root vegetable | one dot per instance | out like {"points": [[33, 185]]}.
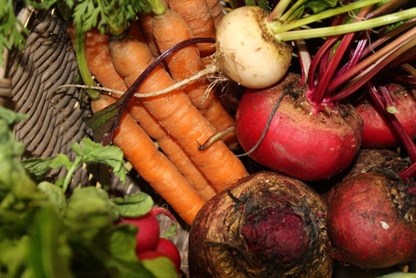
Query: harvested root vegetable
{"points": [[266, 225], [299, 142], [377, 133], [368, 159], [371, 220]]}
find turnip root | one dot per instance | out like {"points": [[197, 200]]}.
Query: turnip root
{"points": [[267, 225], [251, 56], [376, 131], [299, 142], [371, 219]]}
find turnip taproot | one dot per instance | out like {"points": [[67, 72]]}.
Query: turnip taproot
{"points": [[267, 225], [371, 219], [298, 142]]}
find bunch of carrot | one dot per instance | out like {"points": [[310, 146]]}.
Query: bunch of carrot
{"points": [[179, 121]]}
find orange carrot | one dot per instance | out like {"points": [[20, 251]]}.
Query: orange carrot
{"points": [[216, 10], [177, 114], [100, 64], [172, 150], [186, 62], [153, 166], [99, 60], [146, 21], [197, 16]]}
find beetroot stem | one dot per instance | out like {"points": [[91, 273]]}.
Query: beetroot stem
{"points": [[372, 60], [320, 90], [379, 101], [367, 73]]}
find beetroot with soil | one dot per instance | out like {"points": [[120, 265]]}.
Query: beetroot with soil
{"points": [[299, 142], [377, 131], [371, 219], [267, 225]]}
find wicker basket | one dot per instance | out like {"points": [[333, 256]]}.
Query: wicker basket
{"points": [[56, 117]]}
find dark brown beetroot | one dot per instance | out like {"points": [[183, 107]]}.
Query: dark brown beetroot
{"points": [[267, 225], [371, 220], [369, 159], [300, 143], [376, 131]]}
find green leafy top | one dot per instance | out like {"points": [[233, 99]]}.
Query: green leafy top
{"points": [[109, 16], [44, 233]]}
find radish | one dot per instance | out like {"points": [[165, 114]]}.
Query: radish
{"points": [[371, 220], [148, 231], [298, 142], [266, 225], [169, 249]]}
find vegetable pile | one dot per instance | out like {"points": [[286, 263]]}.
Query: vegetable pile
{"points": [[312, 167], [45, 234]]}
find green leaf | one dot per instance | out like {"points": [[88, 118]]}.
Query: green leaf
{"points": [[320, 5], [123, 243], [49, 253], [10, 117], [89, 212], [55, 196], [91, 152], [161, 267], [134, 205], [12, 255]]}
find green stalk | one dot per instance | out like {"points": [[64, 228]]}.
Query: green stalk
{"points": [[70, 173], [82, 63], [157, 6], [346, 28], [283, 26], [285, 17], [279, 9]]}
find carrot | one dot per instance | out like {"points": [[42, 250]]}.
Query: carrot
{"points": [[216, 10], [99, 60], [197, 16], [146, 21], [154, 166], [100, 64], [172, 150], [186, 62], [177, 114]]}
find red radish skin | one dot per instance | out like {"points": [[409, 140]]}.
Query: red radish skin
{"points": [[169, 249], [376, 132], [148, 231], [300, 143], [370, 221]]}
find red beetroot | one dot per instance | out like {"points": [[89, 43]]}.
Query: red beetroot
{"points": [[376, 131], [301, 143], [371, 220], [267, 225]]}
